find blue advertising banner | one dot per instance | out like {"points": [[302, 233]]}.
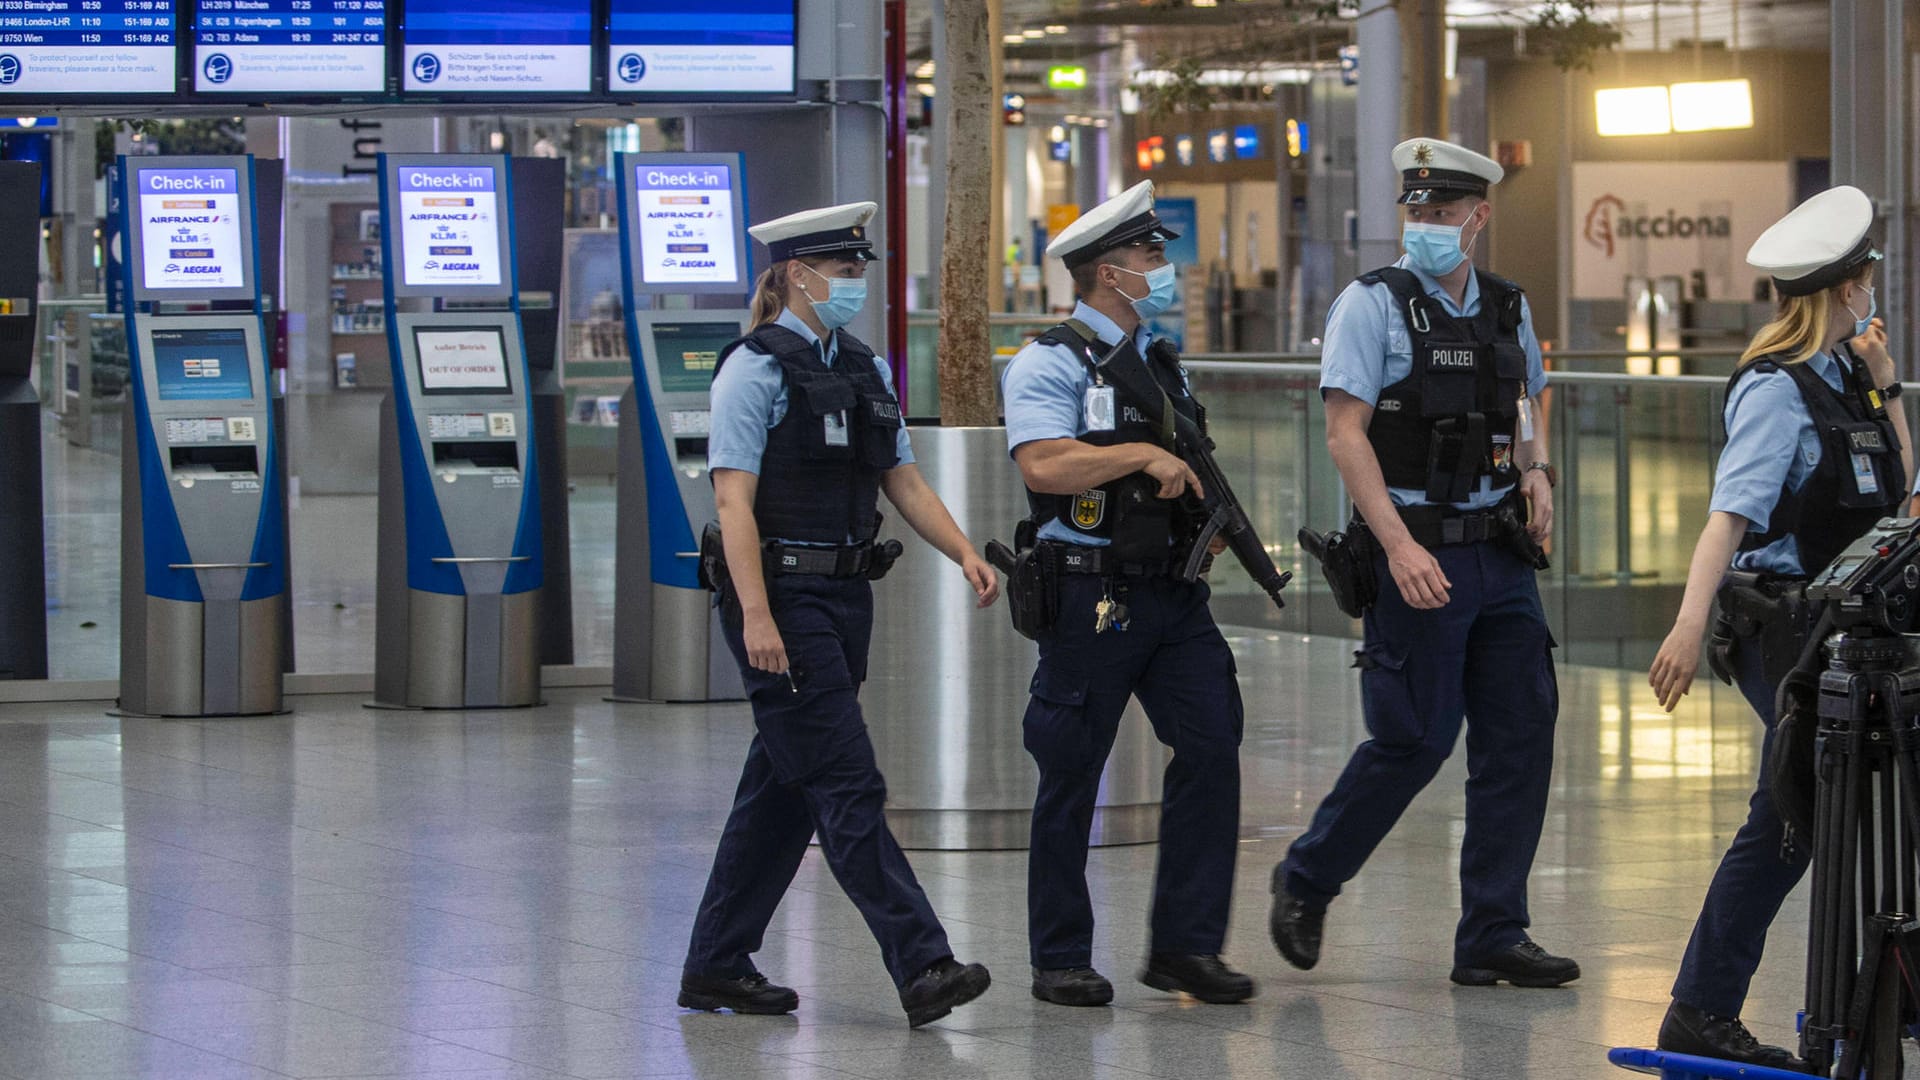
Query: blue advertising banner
{"points": [[1183, 217]]}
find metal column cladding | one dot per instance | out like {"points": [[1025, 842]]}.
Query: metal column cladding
{"points": [[477, 190]]}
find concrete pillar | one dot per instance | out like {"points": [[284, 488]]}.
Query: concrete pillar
{"points": [[1871, 137], [1378, 131]]}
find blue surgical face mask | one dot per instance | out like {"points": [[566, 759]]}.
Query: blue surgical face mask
{"points": [[1435, 249], [1160, 290], [845, 298], [1862, 322]]}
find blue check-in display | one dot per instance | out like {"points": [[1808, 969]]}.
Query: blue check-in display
{"points": [[706, 49], [498, 46], [290, 46], [86, 47], [202, 365]]}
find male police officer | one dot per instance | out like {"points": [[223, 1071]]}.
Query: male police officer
{"points": [[1105, 498], [1431, 376]]}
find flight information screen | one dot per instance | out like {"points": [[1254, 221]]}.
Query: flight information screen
{"points": [[709, 49], [202, 365], [290, 47], [498, 46], [95, 47]]}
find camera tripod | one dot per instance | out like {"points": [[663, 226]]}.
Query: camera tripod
{"points": [[1863, 961]]}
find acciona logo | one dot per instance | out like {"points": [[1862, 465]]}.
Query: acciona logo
{"points": [[1609, 223]]}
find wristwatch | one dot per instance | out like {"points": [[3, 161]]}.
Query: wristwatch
{"points": [[1553, 474], [1894, 390]]}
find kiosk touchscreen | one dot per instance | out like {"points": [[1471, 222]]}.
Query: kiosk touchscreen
{"points": [[683, 231], [203, 546], [459, 514]]}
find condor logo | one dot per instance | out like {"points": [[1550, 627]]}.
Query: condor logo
{"points": [[1442, 359], [1090, 508], [1866, 440]]}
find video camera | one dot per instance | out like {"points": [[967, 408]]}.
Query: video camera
{"points": [[1875, 583]]}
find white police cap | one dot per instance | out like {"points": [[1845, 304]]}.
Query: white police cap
{"points": [[1125, 220], [1819, 244], [1432, 171], [831, 231]]}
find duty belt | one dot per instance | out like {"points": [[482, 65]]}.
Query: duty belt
{"points": [[1098, 561], [1434, 526], [852, 560]]}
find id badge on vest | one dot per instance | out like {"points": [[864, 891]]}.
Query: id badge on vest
{"points": [[1526, 419], [836, 428], [1099, 408], [1863, 479]]}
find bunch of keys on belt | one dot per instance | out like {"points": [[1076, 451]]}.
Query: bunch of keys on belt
{"points": [[1109, 613]]}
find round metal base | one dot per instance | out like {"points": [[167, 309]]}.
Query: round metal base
{"points": [[1010, 830]]}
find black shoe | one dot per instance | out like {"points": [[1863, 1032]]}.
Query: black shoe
{"points": [[942, 988], [1687, 1030], [1296, 928], [1204, 977], [1071, 986], [1525, 964], [749, 994]]}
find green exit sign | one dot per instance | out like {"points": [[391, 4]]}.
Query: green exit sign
{"points": [[1062, 77]]}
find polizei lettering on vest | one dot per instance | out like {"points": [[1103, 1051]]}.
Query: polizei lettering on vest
{"points": [[1452, 359]]}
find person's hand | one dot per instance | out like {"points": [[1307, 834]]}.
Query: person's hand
{"points": [[1539, 496], [1174, 477], [765, 650], [1423, 585], [1217, 545], [1672, 673], [1872, 347], [986, 583]]}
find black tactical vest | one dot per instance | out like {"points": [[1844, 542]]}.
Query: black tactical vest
{"points": [[1452, 420], [1860, 478], [1125, 511], [820, 475]]}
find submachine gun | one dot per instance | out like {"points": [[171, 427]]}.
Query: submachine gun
{"points": [[1220, 511]]}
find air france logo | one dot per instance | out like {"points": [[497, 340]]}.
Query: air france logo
{"points": [[426, 67], [10, 69], [218, 68], [632, 68]]}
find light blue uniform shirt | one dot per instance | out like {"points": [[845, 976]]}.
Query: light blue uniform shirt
{"points": [[1045, 391], [1368, 348], [750, 399], [1771, 446]]}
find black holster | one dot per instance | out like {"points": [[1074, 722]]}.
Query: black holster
{"points": [[1759, 611], [713, 560], [1512, 521], [1346, 562], [1033, 593]]}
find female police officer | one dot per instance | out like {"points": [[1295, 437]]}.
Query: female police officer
{"points": [[806, 432], [1815, 454]]}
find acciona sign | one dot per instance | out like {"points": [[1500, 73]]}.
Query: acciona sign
{"points": [[1657, 219]]}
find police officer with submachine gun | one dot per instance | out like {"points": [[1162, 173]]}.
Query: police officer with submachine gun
{"points": [[1128, 509], [1431, 377]]}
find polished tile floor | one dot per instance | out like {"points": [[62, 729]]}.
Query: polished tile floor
{"points": [[506, 895]]}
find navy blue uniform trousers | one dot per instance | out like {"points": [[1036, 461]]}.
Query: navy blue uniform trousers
{"points": [[1175, 660], [811, 769], [1486, 659], [1751, 884]]}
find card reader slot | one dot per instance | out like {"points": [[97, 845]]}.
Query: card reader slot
{"points": [[691, 447], [476, 455], [215, 460]]}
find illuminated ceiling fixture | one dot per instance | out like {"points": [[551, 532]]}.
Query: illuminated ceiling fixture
{"points": [[1633, 110], [1725, 105], [1032, 35], [1056, 28], [1294, 75], [924, 71], [1204, 3], [1013, 39]]}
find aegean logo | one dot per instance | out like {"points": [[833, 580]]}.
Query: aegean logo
{"points": [[1609, 224]]}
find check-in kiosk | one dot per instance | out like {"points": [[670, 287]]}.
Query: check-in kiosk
{"points": [[459, 511], [683, 243], [202, 538], [23, 567]]}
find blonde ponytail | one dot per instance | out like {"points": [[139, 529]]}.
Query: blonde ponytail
{"points": [[769, 295], [1798, 329]]}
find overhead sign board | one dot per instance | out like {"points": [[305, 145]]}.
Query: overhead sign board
{"points": [[290, 47], [86, 48], [498, 47], [1067, 77], [682, 48]]}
